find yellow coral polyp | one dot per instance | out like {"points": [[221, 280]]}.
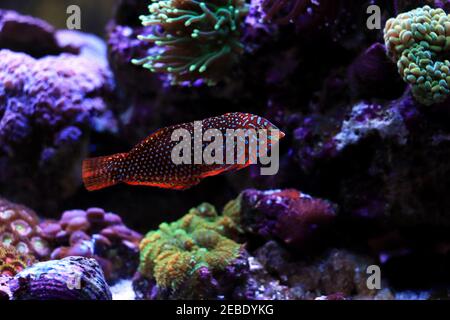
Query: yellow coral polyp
{"points": [[12, 261], [417, 41], [180, 249]]}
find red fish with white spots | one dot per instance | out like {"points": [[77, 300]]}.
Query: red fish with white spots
{"points": [[152, 162]]}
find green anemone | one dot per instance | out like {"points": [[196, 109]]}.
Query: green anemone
{"points": [[199, 40]]}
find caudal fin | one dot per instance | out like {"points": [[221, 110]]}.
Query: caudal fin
{"points": [[100, 172]]}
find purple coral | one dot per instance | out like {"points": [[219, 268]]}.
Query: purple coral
{"points": [[288, 215], [72, 278], [47, 106], [96, 234], [26, 33]]}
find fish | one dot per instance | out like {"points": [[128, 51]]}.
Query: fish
{"points": [[150, 162]]}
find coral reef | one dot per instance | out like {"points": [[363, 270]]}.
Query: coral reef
{"points": [[96, 234], [359, 139], [288, 215], [418, 41], [195, 42], [12, 261], [48, 105], [19, 227], [193, 257], [277, 274], [368, 159], [72, 278]]}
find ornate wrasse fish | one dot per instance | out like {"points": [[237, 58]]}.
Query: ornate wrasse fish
{"points": [[151, 163]]}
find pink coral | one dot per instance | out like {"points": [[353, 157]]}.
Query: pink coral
{"points": [[97, 234]]}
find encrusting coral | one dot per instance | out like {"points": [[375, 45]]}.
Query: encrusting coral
{"points": [[72, 278], [190, 253], [418, 41], [196, 41], [19, 227]]}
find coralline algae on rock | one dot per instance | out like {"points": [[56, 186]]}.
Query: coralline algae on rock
{"points": [[370, 118], [287, 215], [335, 272], [72, 278]]}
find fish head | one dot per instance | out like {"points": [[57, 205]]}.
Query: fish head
{"points": [[273, 128]]}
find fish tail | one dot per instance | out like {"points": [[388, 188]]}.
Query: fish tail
{"points": [[101, 172]]}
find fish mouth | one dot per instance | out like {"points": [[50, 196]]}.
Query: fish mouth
{"points": [[282, 134]]}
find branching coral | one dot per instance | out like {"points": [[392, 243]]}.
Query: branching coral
{"points": [[418, 40], [197, 41], [187, 252]]}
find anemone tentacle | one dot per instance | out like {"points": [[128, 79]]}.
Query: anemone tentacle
{"points": [[199, 39]]}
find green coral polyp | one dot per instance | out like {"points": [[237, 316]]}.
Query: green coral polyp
{"points": [[180, 249], [199, 40], [418, 40]]}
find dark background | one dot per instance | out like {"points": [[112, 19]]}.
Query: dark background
{"points": [[94, 13]]}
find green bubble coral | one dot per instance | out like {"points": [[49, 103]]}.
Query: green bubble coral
{"points": [[176, 253], [418, 40], [198, 40]]}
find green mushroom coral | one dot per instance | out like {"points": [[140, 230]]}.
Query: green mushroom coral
{"points": [[198, 40], [418, 42], [176, 253]]}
